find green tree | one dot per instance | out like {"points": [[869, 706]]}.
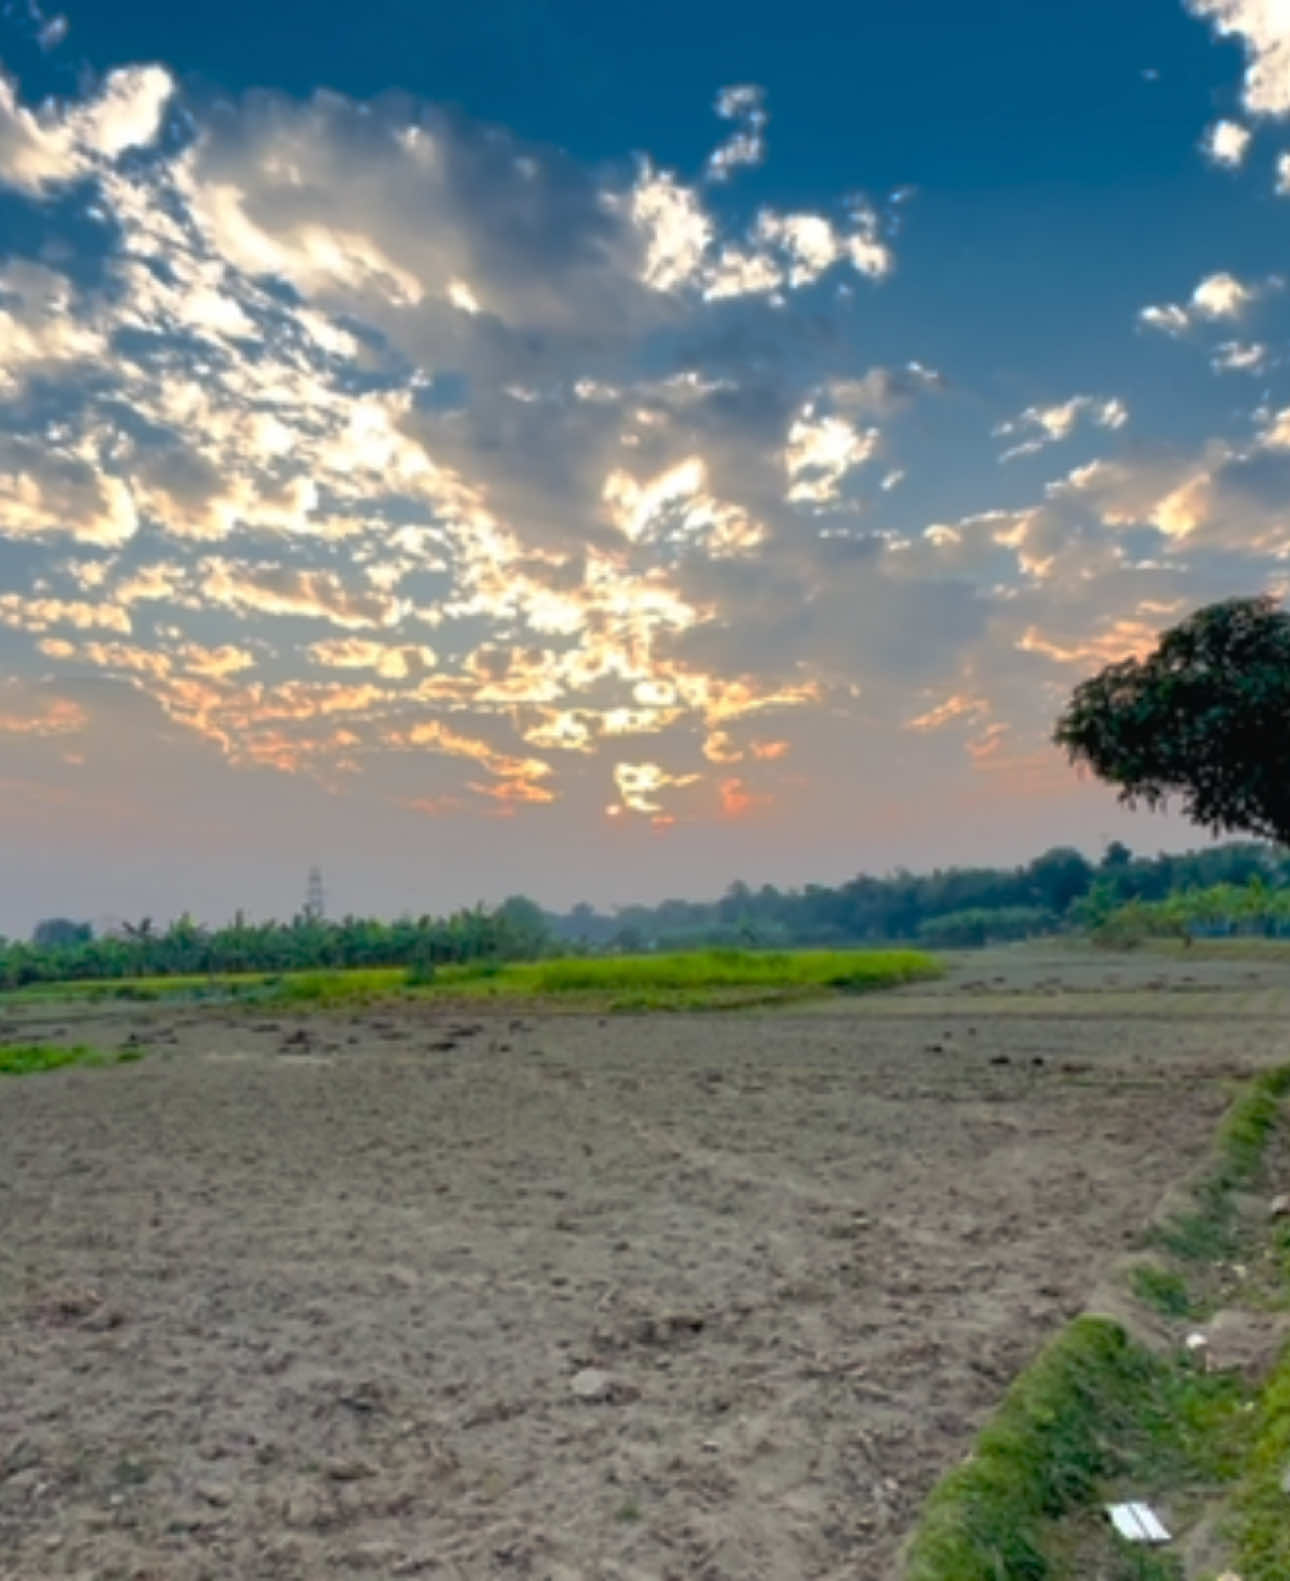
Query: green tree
{"points": [[57, 933], [1059, 877], [1205, 717]]}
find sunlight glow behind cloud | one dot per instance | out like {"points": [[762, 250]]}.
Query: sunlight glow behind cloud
{"points": [[363, 443]]}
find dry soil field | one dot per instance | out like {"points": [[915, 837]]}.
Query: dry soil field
{"points": [[710, 1296]]}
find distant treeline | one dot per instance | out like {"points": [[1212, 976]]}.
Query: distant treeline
{"points": [[63, 950], [951, 907]]}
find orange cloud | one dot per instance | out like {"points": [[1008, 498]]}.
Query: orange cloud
{"points": [[737, 801], [954, 707], [768, 751], [512, 791], [54, 716], [640, 783]]}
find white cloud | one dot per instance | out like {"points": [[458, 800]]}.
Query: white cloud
{"points": [[746, 106], [54, 144], [1283, 175], [682, 248], [1226, 143], [460, 295], [1217, 296], [640, 784], [1234, 356], [1221, 295], [443, 432], [1039, 426], [1264, 28], [821, 450], [1168, 317], [60, 492], [676, 229]]}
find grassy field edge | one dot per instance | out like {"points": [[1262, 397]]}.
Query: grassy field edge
{"points": [[1097, 1402], [698, 979]]}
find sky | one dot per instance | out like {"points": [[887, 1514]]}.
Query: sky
{"points": [[511, 448]]}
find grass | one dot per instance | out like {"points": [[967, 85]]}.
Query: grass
{"points": [[1098, 1416], [693, 980], [148, 989], [28, 1059], [1208, 1234], [1259, 1526], [1094, 1409], [1162, 1290]]}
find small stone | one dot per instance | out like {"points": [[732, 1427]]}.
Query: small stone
{"points": [[592, 1385], [214, 1493], [374, 1555], [348, 1470], [1279, 1207]]}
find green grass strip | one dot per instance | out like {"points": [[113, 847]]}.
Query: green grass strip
{"points": [[1208, 1232], [1260, 1519], [1096, 1411], [1093, 1407], [29, 1059], [679, 979]]}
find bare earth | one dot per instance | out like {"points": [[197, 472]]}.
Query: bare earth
{"points": [[310, 1299]]}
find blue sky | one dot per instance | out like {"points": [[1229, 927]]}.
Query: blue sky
{"points": [[529, 447]]}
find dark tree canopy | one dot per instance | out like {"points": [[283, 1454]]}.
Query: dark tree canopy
{"points": [[1206, 718], [54, 932]]}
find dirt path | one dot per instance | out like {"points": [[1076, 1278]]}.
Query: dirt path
{"points": [[320, 1312]]}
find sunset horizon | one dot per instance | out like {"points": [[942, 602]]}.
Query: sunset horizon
{"points": [[474, 481]]}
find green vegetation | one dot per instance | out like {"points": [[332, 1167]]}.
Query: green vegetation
{"points": [[1259, 1527], [65, 952], [1222, 911], [28, 1059], [701, 979], [979, 925], [696, 979], [1093, 1409], [1098, 1416], [847, 970], [1207, 1232], [1163, 1290], [949, 908]]}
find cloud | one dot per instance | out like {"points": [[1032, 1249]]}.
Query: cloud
{"points": [[1168, 317], [746, 107], [1040, 426], [268, 589], [641, 784], [1222, 295], [374, 446], [56, 144], [24, 714], [1217, 296], [1262, 27], [1225, 143], [821, 451], [1234, 356]]}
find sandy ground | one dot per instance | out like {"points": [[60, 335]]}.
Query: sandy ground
{"points": [[322, 1296]]}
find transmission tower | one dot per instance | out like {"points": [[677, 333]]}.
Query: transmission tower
{"points": [[315, 900]]}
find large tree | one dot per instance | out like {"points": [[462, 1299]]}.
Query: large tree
{"points": [[1205, 718]]}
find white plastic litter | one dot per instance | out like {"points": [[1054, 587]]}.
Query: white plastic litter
{"points": [[1137, 1523]]}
